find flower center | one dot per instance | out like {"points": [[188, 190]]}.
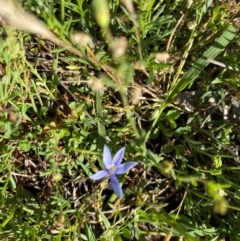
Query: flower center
{"points": [[112, 168]]}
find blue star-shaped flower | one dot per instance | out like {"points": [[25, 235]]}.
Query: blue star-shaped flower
{"points": [[113, 167]]}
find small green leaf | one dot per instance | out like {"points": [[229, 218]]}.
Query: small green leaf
{"points": [[172, 124], [215, 172], [194, 182], [182, 131], [217, 160], [89, 233], [105, 220], [25, 145], [117, 238], [12, 182], [168, 148], [173, 114], [126, 233]]}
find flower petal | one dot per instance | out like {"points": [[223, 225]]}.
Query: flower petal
{"points": [[118, 157], [125, 167], [116, 185], [99, 175], [107, 158]]}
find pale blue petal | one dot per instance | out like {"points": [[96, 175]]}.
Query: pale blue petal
{"points": [[107, 158], [118, 157], [116, 185], [99, 175], [125, 167]]}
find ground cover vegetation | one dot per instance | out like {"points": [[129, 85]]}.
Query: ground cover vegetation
{"points": [[156, 82]]}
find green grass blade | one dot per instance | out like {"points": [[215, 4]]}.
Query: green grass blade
{"points": [[101, 127]]}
